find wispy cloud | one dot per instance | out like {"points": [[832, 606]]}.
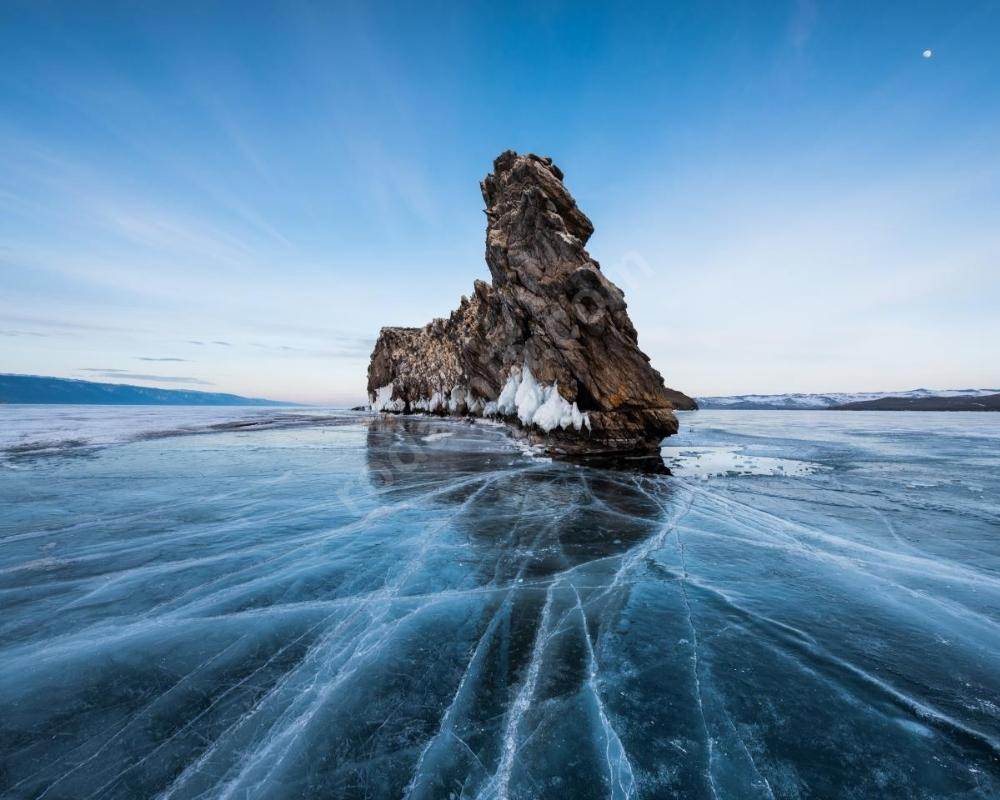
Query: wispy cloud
{"points": [[314, 343], [803, 23], [343, 347], [59, 325], [154, 358], [138, 376], [160, 232]]}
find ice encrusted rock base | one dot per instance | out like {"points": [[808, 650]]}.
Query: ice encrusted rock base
{"points": [[547, 345], [522, 398], [382, 400], [535, 404]]}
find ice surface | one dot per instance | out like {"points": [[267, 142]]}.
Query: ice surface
{"points": [[27, 430], [261, 603]]}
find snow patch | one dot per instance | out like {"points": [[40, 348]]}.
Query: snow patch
{"points": [[730, 461]]}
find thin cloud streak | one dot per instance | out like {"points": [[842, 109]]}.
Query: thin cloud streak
{"points": [[138, 376]]}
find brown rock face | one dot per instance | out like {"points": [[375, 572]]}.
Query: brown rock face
{"points": [[548, 346]]}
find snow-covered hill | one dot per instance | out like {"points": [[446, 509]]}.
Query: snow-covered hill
{"points": [[821, 401]]}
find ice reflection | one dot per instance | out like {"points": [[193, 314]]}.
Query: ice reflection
{"points": [[549, 547]]}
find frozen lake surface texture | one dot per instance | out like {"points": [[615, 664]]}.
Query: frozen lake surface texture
{"points": [[261, 603]]}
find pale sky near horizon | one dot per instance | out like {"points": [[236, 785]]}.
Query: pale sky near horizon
{"points": [[236, 197]]}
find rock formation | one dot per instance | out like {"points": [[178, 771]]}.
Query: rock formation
{"points": [[548, 346]]}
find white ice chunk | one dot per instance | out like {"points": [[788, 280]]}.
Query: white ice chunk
{"points": [[535, 404], [457, 399], [436, 401], [382, 400], [460, 399], [522, 396], [506, 402], [530, 395], [428, 404], [556, 411], [550, 413]]}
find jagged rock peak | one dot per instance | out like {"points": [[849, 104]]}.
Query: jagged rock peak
{"points": [[547, 346]]}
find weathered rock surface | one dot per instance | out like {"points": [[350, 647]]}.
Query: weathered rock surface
{"points": [[547, 346]]}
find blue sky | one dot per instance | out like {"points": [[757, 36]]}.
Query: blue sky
{"points": [[237, 196]]}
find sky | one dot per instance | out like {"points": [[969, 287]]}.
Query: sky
{"points": [[237, 196]]}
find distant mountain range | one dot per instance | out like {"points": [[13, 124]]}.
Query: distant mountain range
{"points": [[915, 399], [979, 402], [42, 390]]}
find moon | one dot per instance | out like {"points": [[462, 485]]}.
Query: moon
{"points": [[928, 53]]}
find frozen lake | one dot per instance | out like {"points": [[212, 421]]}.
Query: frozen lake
{"points": [[261, 603]]}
